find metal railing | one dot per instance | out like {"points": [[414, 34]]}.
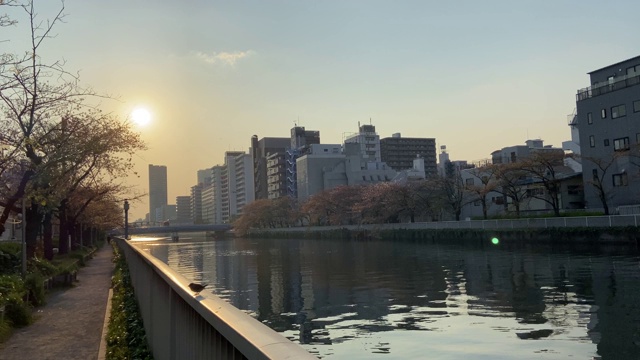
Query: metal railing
{"points": [[529, 223], [604, 88], [181, 326]]}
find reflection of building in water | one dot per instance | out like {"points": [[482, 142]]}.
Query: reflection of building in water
{"points": [[332, 291]]}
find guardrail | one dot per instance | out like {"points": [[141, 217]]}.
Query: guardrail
{"points": [[181, 326], [529, 223]]}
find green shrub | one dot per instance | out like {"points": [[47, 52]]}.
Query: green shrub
{"points": [[34, 284], [126, 338], [17, 312], [11, 247], [43, 266], [9, 285], [5, 330], [9, 262]]}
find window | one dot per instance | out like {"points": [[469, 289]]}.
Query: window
{"points": [[636, 106], [606, 142], [603, 113], [468, 181], [633, 71], [589, 118], [620, 179], [594, 172], [618, 111], [574, 190], [476, 203], [621, 144], [592, 141]]}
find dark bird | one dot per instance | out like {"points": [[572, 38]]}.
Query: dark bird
{"points": [[196, 288]]}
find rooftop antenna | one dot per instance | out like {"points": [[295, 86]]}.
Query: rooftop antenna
{"points": [[369, 120]]}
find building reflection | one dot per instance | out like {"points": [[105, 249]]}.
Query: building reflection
{"points": [[328, 292]]}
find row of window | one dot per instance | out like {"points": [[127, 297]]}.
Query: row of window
{"points": [[620, 144], [617, 179], [616, 112]]}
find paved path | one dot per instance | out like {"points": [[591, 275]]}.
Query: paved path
{"points": [[70, 325]]}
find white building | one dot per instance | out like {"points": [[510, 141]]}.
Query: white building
{"points": [[369, 142], [323, 168]]}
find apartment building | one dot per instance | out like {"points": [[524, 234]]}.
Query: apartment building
{"points": [[608, 121], [399, 153]]}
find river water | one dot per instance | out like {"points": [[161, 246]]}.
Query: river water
{"points": [[413, 300]]}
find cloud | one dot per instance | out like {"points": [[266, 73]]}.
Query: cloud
{"points": [[226, 58]]}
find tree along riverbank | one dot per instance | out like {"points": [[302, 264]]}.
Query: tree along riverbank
{"points": [[624, 235]]}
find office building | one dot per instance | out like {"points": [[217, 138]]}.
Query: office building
{"points": [[157, 188]]}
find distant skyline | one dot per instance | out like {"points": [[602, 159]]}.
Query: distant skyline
{"points": [[477, 76]]}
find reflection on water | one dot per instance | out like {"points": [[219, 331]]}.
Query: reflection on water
{"points": [[359, 300]]}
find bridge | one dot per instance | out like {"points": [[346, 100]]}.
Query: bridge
{"points": [[217, 228]]}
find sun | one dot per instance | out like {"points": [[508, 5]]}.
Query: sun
{"points": [[141, 116]]}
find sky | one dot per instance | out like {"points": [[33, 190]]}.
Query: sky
{"points": [[475, 75]]}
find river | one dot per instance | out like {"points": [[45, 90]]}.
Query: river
{"points": [[412, 300]]}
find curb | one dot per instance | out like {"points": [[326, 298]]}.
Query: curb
{"points": [[102, 352]]}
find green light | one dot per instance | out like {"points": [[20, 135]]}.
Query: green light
{"points": [[495, 241]]}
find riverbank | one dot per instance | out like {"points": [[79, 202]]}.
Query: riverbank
{"points": [[621, 229]]}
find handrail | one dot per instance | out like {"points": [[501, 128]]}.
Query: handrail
{"points": [[180, 325]]}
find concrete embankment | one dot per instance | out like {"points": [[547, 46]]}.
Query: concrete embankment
{"points": [[629, 234]]}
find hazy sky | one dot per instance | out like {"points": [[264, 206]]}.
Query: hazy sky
{"points": [[475, 75]]}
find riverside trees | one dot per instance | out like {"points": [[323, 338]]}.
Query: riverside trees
{"points": [[60, 154]]}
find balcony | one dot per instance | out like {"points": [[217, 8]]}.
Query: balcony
{"points": [[605, 88]]}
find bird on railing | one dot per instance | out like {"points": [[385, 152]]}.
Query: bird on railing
{"points": [[196, 288]]}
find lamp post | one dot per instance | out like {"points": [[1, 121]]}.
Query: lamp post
{"points": [[126, 219], [24, 237]]}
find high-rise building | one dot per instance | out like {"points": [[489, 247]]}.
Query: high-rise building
{"points": [[277, 175], [196, 204], [212, 195], [183, 210], [608, 121], [260, 150], [157, 188], [399, 153]]}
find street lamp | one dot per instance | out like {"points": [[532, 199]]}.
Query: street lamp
{"points": [[126, 219]]}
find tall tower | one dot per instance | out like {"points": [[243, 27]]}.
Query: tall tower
{"points": [[157, 189]]}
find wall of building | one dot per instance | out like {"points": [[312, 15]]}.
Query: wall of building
{"points": [[600, 134]]}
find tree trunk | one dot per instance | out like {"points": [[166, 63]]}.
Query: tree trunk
{"points": [[73, 231], [31, 228], [47, 236], [63, 243]]}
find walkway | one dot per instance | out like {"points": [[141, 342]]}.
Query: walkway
{"points": [[70, 325]]}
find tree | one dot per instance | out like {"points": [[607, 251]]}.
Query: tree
{"points": [[486, 183], [511, 178], [69, 155], [32, 96], [601, 172], [453, 191], [545, 167]]}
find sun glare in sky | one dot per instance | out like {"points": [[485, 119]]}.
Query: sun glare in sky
{"points": [[141, 116]]}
